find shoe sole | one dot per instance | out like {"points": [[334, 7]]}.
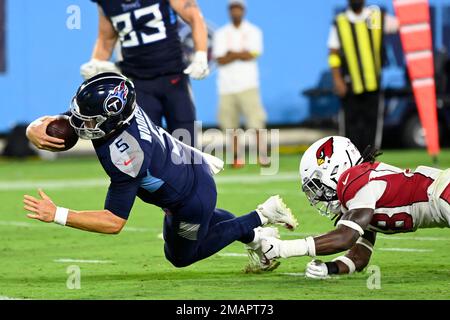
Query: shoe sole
{"points": [[290, 222]]}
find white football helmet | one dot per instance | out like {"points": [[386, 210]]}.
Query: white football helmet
{"points": [[320, 168]]}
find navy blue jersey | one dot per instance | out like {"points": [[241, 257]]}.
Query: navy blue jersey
{"points": [[144, 160], [148, 32]]}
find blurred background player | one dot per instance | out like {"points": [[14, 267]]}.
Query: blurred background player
{"points": [[356, 60], [236, 47], [365, 197], [143, 160], [152, 56]]}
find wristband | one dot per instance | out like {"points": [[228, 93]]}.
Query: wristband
{"points": [[311, 246], [201, 56], [334, 60], [61, 216], [348, 262]]}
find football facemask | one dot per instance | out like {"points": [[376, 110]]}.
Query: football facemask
{"points": [[321, 196], [86, 127]]}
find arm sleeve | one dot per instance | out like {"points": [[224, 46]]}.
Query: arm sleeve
{"points": [[333, 39], [367, 196], [121, 196]]}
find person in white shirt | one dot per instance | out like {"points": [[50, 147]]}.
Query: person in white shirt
{"points": [[236, 48]]}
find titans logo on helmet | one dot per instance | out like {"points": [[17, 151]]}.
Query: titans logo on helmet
{"points": [[116, 99]]}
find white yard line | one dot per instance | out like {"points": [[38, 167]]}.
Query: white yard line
{"points": [[135, 229], [404, 249], [67, 260], [38, 225], [9, 298], [232, 254], [17, 224], [283, 233], [103, 182], [51, 184], [413, 238]]}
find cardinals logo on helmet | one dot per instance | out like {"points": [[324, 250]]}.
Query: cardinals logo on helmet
{"points": [[324, 151], [116, 99]]}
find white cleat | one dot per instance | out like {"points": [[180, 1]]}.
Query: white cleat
{"points": [[277, 212], [270, 248], [257, 261]]}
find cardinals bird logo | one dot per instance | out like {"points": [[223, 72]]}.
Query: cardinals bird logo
{"points": [[116, 100], [324, 151]]}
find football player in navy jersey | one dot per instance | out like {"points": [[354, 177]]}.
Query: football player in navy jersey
{"points": [[144, 161], [152, 58], [152, 55]]}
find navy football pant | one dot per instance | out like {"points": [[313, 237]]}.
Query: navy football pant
{"points": [[196, 230], [168, 97]]}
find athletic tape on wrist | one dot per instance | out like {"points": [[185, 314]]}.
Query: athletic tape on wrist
{"points": [[311, 246], [61, 216], [348, 262]]}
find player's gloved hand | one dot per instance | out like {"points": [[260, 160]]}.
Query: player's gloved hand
{"points": [[270, 247], [94, 67], [199, 68], [316, 269], [36, 133]]}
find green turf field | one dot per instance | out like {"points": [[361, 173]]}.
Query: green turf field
{"points": [[34, 256]]}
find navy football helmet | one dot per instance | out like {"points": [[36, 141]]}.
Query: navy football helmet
{"points": [[102, 105]]}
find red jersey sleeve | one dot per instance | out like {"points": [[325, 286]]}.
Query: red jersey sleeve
{"points": [[352, 180]]}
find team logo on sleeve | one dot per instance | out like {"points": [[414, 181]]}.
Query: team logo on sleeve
{"points": [[325, 151], [116, 100]]}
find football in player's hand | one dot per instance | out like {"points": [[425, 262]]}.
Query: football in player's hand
{"points": [[61, 128]]}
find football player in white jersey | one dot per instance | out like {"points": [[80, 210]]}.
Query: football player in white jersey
{"points": [[365, 197]]}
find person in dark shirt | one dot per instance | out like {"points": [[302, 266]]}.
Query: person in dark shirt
{"points": [[152, 56], [144, 161]]}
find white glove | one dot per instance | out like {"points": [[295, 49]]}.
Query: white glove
{"points": [[316, 269], [270, 247], [94, 67], [199, 68]]}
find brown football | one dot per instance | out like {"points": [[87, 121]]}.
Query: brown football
{"points": [[61, 128]]}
